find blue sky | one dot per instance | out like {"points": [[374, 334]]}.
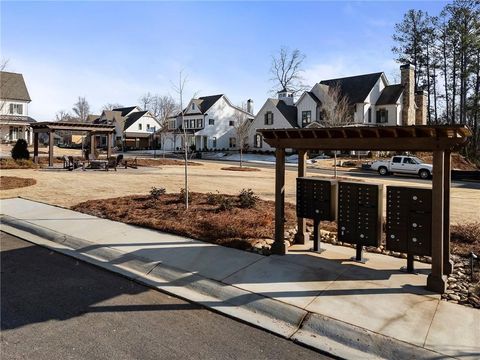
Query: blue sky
{"points": [[116, 51]]}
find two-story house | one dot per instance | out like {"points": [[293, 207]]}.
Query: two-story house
{"points": [[208, 122], [14, 100], [134, 128], [372, 101]]}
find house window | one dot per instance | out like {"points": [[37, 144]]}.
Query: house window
{"points": [[233, 142], [185, 124], [148, 126], [214, 142], [16, 109], [257, 141], [382, 116], [193, 106], [306, 117], [192, 124], [199, 123], [369, 115], [139, 126], [211, 121], [268, 118], [231, 123]]}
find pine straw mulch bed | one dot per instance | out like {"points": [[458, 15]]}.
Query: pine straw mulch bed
{"points": [[238, 168], [13, 182], [237, 227], [163, 162]]}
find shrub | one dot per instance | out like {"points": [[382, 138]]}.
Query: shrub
{"points": [[157, 192], [183, 195], [213, 199], [20, 150], [225, 203], [247, 198]]}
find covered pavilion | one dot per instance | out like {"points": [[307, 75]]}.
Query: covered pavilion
{"points": [[440, 140], [51, 127]]}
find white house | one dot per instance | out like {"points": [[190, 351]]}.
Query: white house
{"points": [[208, 121], [14, 100], [134, 128], [373, 101]]}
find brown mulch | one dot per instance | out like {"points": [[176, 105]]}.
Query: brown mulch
{"points": [[465, 238], [13, 182], [458, 161], [163, 162], [18, 164], [238, 168], [237, 227]]}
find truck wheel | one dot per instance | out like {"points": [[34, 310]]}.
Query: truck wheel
{"points": [[424, 174], [382, 170]]}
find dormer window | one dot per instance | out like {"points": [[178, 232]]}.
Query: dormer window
{"points": [[268, 118], [16, 109], [139, 126], [193, 106]]}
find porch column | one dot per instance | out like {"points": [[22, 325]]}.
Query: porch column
{"points": [[109, 145], [92, 144], [51, 133], [35, 147], [447, 262], [279, 247], [436, 280], [302, 237]]}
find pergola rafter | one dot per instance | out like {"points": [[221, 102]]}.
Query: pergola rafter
{"points": [[440, 140]]}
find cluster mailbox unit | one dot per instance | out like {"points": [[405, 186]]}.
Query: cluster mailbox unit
{"points": [[316, 200], [360, 214], [409, 222]]}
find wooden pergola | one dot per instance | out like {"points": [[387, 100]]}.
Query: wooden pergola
{"points": [[440, 140], [51, 127]]}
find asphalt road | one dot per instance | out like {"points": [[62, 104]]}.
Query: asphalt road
{"points": [[55, 307]]}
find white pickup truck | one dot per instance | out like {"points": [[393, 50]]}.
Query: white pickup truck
{"points": [[403, 165]]}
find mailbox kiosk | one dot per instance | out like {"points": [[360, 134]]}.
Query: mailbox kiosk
{"points": [[409, 222], [316, 200], [360, 210]]}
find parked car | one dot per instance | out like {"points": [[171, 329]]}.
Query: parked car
{"points": [[403, 165]]}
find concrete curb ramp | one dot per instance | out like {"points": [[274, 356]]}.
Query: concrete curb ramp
{"points": [[320, 332]]}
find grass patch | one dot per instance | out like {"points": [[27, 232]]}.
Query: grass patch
{"points": [[220, 221], [13, 182], [238, 168]]}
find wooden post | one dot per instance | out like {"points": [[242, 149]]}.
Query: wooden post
{"points": [[51, 133], [35, 147], [279, 247], [109, 145], [447, 262], [92, 145], [436, 280], [302, 237]]}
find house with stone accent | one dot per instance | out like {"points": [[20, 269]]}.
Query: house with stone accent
{"points": [[14, 100], [208, 122], [134, 128], [372, 101]]}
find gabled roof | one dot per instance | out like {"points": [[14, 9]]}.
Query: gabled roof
{"points": [[130, 120], [91, 118], [289, 112], [12, 87], [207, 102], [314, 97], [390, 94], [125, 110], [356, 88]]}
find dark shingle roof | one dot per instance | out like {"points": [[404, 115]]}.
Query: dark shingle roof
{"points": [[12, 87], [5, 119], [124, 110], [390, 94], [356, 88], [208, 101], [289, 112], [132, 118]]}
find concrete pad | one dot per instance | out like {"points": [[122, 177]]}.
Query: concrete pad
{"points": [[388, 311], [284, 281], [455, 331]]}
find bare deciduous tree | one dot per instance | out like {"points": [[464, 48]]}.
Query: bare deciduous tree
{"points": [[81, 109], [145, 100], [241, 125], [179, 89], [63, 115], [4, 89], [286, 69], [336, 111], [111, 106]]}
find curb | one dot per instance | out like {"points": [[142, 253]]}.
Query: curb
{"points": [[316, 331]]}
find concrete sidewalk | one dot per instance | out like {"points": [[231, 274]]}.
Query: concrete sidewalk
{"points": [[326, 301]]}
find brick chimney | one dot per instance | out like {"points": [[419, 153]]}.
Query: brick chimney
{"points": [[421, 111], [407, 73]]}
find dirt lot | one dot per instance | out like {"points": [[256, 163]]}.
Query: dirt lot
{"points": [[13, 182], [66, 188]]}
